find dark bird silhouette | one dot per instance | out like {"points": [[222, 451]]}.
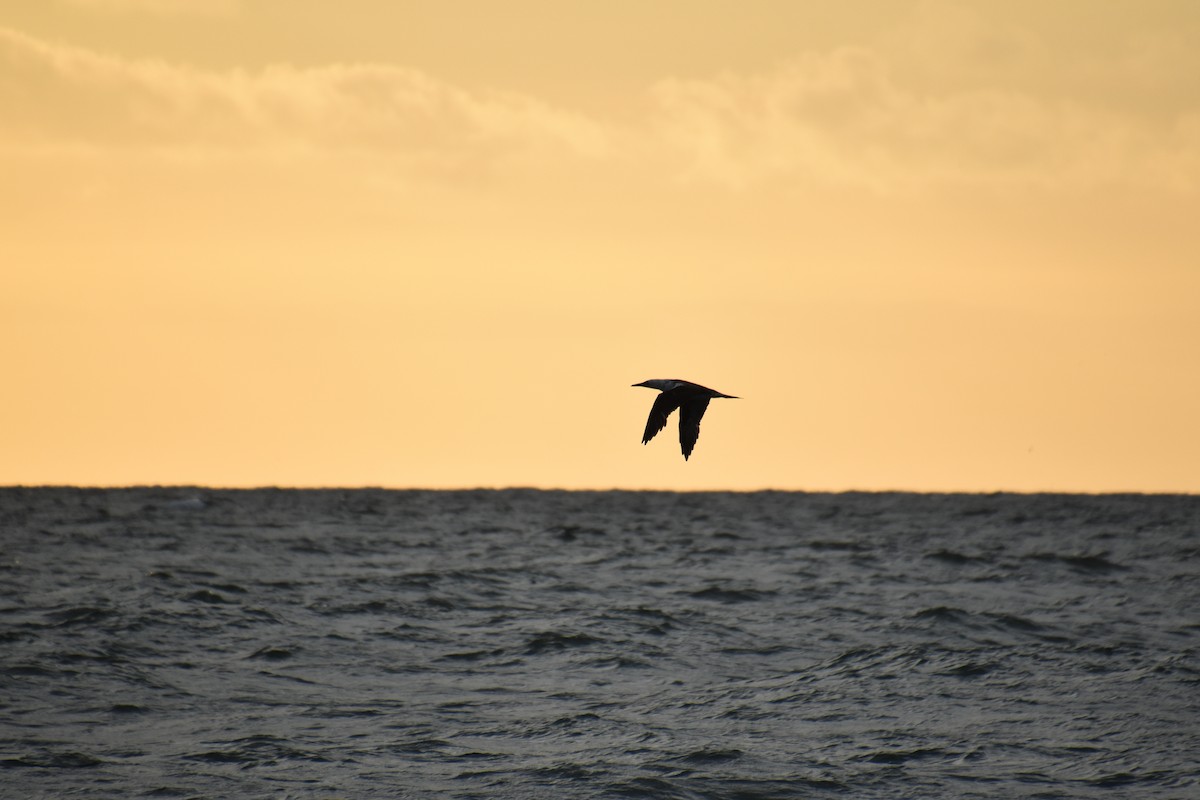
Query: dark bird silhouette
{"points": [[690, 398]]}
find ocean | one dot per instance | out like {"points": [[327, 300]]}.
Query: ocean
{"points": [[194, 643]]}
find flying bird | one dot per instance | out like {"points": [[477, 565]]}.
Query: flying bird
{"points": [[690, 398]]}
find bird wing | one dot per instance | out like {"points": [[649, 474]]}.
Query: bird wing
{"points": [[689, 423], [664, 404]]}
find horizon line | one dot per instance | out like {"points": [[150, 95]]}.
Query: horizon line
{"points": [[531, 488]]}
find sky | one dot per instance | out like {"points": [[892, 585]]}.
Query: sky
{"points": [[931, 245]]}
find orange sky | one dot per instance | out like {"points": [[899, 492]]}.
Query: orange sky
{"points": [[933, 245]]}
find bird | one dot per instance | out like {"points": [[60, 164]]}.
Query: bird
{"points": [[690, 398]]}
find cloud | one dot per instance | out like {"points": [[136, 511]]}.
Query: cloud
{"points": [[845, 118], [55, 94], [948, 101], [950, 98]]}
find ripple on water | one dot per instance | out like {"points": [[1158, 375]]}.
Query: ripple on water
{"points": [[525, 644]]}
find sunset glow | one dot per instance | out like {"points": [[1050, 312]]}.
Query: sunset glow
{"points": [[931, 245]]}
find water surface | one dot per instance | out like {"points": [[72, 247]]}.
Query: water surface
{"points": [[529, 644]]}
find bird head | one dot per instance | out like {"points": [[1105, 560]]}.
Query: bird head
{"points": [[662, 384]]}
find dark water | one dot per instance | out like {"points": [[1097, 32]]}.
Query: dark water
{"points": [[525, 644]]}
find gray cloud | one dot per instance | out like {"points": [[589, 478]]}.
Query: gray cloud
{"points": [[948, 98], [57, 94], [875, 117]]}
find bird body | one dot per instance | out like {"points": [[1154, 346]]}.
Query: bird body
{"points": [[692, 401]]}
